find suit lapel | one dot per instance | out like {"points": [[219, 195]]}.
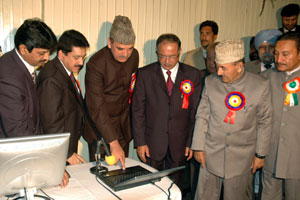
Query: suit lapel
{"points": [[160, 79], [67, 78]]}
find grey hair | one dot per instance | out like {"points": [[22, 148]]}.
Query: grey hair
{"points": [[121, 31]]}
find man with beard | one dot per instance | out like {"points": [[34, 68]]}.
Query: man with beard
{"points": [[59, 93], [208, 34], [264, 42], [282, 169], [19, 110]]}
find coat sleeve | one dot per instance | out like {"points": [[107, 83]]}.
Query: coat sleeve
{"points": [[196, 97], [13, 107], [139, 112], [264, 121], [96, 104], [201, 123]]}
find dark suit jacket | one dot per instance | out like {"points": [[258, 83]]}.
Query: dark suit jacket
{"points": [[18, 99], [158, 119], [60, 109], [297, 29], [107, 84]]}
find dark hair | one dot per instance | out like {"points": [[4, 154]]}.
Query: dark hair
{"points": [[212, 24], [290, 10], [69, 39], [34, 33], [291, 36], [168, 37]]}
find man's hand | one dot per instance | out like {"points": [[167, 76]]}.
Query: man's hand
{"points": [[142, 152], [188, 153], [117, 151], [65, 180], [200, 157], [75, 159], [257, 163]]}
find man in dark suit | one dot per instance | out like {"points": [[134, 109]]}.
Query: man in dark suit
{"points": [[289, 18], [163, 108], [109, 74], [19, 110], [61, 103]]}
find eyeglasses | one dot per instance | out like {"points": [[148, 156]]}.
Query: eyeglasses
{"points": [[163, 57]]}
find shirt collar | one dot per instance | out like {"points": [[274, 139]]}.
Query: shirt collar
{"points": [[68, 72], [29, 67], [204, 52], [285, 30], [293, 71], [173, 70], [263, 68]]}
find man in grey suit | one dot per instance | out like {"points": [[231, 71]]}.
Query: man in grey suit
{"points": [[264, 42], [19, 107], [282, 164], [233, 126], [208, 34]]}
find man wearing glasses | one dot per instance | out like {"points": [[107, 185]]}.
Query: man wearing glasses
{"points": [[163, 108]]}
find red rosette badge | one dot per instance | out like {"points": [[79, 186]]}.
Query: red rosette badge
{"points": [[234, 101], [131, 87], [186, 88]]}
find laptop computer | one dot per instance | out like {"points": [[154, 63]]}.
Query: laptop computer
{"points": [[133, 177]]}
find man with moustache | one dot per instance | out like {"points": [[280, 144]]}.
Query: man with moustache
{"points": [[289, 18], [282, 170], [264, 42], [61, 103], [19, 107], [164, 103], [110, 77], [233, 126], [208, 34]]}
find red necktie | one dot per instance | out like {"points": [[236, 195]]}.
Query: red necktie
{"points": [[76, 85], [169, 83]]}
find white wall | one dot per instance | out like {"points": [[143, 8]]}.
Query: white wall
{"points": [[150, 18]]}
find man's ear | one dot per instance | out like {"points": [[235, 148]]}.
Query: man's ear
{"points": [[109, 43], [23, 49], [60, 54], [215, 37]]}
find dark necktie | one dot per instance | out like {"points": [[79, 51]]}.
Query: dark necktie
{"points": [[33, 75], [267, 66], [169, 83]]}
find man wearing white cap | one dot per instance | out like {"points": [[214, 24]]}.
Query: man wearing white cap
{"points": [[233, 126]]}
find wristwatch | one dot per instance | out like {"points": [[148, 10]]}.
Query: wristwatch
{"points": [[259, 156]]}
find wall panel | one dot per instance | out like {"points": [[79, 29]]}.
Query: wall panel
{"points": [[150, 18]]}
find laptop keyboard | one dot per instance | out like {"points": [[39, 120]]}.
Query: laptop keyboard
{"points": [[118, 176]]}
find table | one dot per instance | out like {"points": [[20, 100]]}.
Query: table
{"points": [[84, 186]]}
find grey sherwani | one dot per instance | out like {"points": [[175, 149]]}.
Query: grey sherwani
{"points": [[230, 148], [195, 58], [253, 66], [284, 156]]}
